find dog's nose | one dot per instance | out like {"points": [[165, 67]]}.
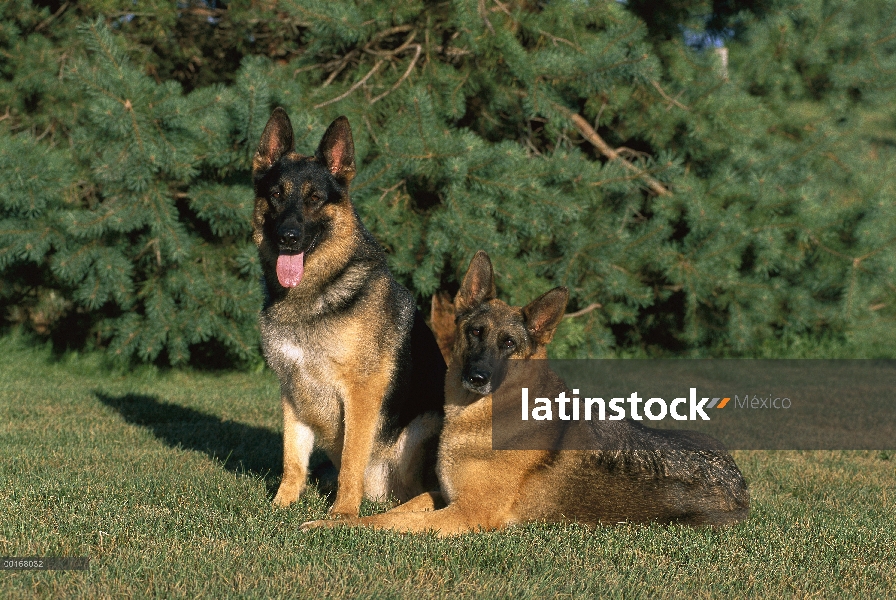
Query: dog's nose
{"points": [[478, 378], [289, 237]]}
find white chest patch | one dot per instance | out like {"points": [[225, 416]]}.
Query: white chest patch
{"points": [[290, 352]]}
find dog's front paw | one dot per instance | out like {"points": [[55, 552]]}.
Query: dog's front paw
{"points": [[286, 495], [327, 523], [344, 510], [281, 501], [343, 516]]}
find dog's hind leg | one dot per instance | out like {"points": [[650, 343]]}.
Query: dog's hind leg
{"points": [[298, 441], [414, 456]]}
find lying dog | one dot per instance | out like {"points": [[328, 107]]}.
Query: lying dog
{"points": [[661, 476]]}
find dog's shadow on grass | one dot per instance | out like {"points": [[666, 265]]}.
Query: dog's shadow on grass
{"points": [[239, 447]]}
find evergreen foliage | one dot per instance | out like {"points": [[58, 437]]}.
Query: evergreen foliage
{"points": [[705, 209]]}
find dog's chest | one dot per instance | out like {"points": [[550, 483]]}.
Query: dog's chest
{"points": [[289, 356], [466, 439], [306, 368]]}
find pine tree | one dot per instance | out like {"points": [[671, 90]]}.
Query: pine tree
{"points": [[157, 269], [688, 208]]}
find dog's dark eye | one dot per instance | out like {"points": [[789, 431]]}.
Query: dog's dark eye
{"points": [[476, 332], [509, 343], [275, 195], [317, 197]]}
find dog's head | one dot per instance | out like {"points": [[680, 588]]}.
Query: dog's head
{"points": [[299, 198], [490, 332]]}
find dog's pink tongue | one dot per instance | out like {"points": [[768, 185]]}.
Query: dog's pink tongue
{"points": [[290, 269]]}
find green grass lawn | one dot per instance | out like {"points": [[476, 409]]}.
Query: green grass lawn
{"points": [[164, 479]]}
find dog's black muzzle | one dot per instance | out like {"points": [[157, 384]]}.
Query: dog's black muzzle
{"points": [[294, 237], [289, 239], [290, 234], [478, 381], [482, 376]]}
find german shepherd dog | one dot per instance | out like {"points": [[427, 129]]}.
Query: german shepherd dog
{"points": [[360, 373], [661, 476]]}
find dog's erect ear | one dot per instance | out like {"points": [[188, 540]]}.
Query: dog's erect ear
{"points": [[337, 151], [276, 141], [543, 314], [478, 285]]}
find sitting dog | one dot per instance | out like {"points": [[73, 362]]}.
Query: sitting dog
{"points": [[360, 373]]}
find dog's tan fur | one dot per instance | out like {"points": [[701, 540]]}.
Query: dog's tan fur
{"points": [[442, 323], [680, 477]]}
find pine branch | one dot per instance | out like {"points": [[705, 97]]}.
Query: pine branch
{"points": [[339, 66], [484, 15], [403, 77], [598, 142], [52, 17], [384, 55], [584, 311], [668, 97], [349, 91]]}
